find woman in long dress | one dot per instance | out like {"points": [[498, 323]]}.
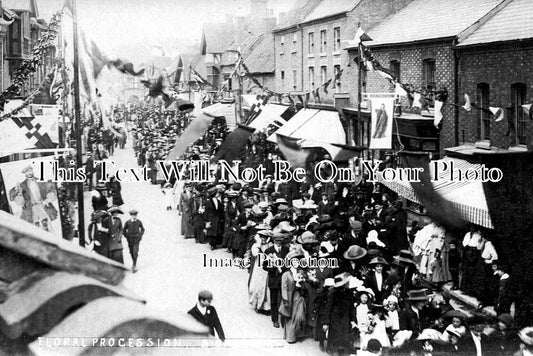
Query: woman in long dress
{"points": [[293, 307], [258, 292], [184, 208]]}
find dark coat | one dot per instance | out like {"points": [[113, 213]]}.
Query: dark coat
{"points": [[116, 239], [210, 319], [133, 230], [339, 314], [215, 217], [371, 283], [274, 275], [409, 320]]}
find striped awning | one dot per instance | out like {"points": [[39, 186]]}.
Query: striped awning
{"points": [[467, 197]]}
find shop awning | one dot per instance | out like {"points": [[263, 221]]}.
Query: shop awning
{"points": [[270, 115], [223, 110], [467, 197], [315, 128]]}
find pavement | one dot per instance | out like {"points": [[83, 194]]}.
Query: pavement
{"points": [[171, 272]]}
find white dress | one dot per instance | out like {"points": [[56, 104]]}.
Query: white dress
{"points": [[258, 292]]}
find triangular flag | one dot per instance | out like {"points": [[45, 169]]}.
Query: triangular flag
{"points": [[399, 90], [497, 112], [438, 113], [326, 85], [360, 36], [528, 111], [468, 104]]}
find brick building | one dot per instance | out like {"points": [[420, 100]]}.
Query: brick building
{"points": [[418, 44], [494, 66]]}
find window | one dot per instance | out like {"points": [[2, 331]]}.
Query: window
{"points": [[311, 43], [311, 77], [323, 74], [483, 94], [429, 74], [282, 45], [336, 71], [26, 25], [15, 40], [323, 41], [282, 75], [336, 39], [362, 133], [294, 42], [294, 79], [518, 98], [394, 67]]}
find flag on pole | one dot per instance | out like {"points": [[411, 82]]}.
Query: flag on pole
{"points": [[360, 36], [497, 112], [528, 111], [399, 90], [326, 85], [126, 67], [438, 113], [468, 104]]}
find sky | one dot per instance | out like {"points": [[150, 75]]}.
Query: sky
{"points": [[115, 24]]}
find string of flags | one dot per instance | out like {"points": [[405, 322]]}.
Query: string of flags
{"points": [[421, 98]]}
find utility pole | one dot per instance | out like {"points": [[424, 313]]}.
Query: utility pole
{"points": [[78, 128]]}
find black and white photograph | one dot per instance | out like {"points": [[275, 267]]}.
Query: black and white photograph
{"points": [[266, 177]]}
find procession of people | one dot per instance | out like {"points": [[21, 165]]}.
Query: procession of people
{"points": [[377, 282]]}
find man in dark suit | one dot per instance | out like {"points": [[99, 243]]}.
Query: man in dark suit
{"points": [[214, 218], [354, 236], [207, 314], [409, 317], [274, 275]]}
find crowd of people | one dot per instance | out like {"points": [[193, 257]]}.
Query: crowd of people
{"points": [[339, 263]]}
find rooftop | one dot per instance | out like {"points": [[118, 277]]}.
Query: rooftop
{"points": [[513, 22], [329, 8], [261, 59], [297, 14], [218, 36], [22, 5], [430, 19]]}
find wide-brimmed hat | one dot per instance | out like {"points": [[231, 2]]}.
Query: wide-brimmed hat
{"points": [[281, 201], [329, 282], [285, 226], [325, 218], [454, 333], [263, 205], [265, 233], [418, 295], [341, 279], [307, 238], [115, 209], [278, 236], [526, 335], [373, 252], [98, 214], [429, 334], [405, 256], [455, 314], [378, 261], [247, 204], [354, 252], [364, 290], [262, 227]]}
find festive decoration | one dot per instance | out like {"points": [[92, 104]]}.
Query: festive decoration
{"points": [[29, 66]]}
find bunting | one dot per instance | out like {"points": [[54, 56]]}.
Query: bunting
{"points": [[497, 112]]}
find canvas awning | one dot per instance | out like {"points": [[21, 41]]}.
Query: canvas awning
{"points": [[270, 115], [222, 110], [193, 132], [467, 197], [315, 128]]}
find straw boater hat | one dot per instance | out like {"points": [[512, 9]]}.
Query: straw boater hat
{"points": [[115, 209], [285, 226], [455, 314], [354, 252], [406, 257], [429, 334], [363, 290], [329, 282], [354, 283], [265, 233], [341, 279], [281, 201]]}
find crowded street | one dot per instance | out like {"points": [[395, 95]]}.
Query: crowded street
{"points": [[171, 272]]}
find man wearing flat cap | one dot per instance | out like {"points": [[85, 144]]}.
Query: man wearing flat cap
{"points": [[277, 251], [133, 232], [206, 314]]}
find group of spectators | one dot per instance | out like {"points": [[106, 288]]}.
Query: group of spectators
{"points": [[339, 263]]}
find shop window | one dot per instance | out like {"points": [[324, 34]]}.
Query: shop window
{"points": [[483, 94]]}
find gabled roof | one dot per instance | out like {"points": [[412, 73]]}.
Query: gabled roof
{"points": [[328, 8], [261, 60], [430, 19], [513, 22], [22, 5], [218, 36], [297, 14], [196, 61]]}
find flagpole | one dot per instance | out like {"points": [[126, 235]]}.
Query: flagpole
{"points": [[77, 122], [359, 84]]}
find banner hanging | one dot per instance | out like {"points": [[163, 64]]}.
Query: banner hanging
{"points": [[382, 116]]}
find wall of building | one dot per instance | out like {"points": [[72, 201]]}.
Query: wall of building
{"points": [[411, 59], [288, 59], [499, 66]]}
